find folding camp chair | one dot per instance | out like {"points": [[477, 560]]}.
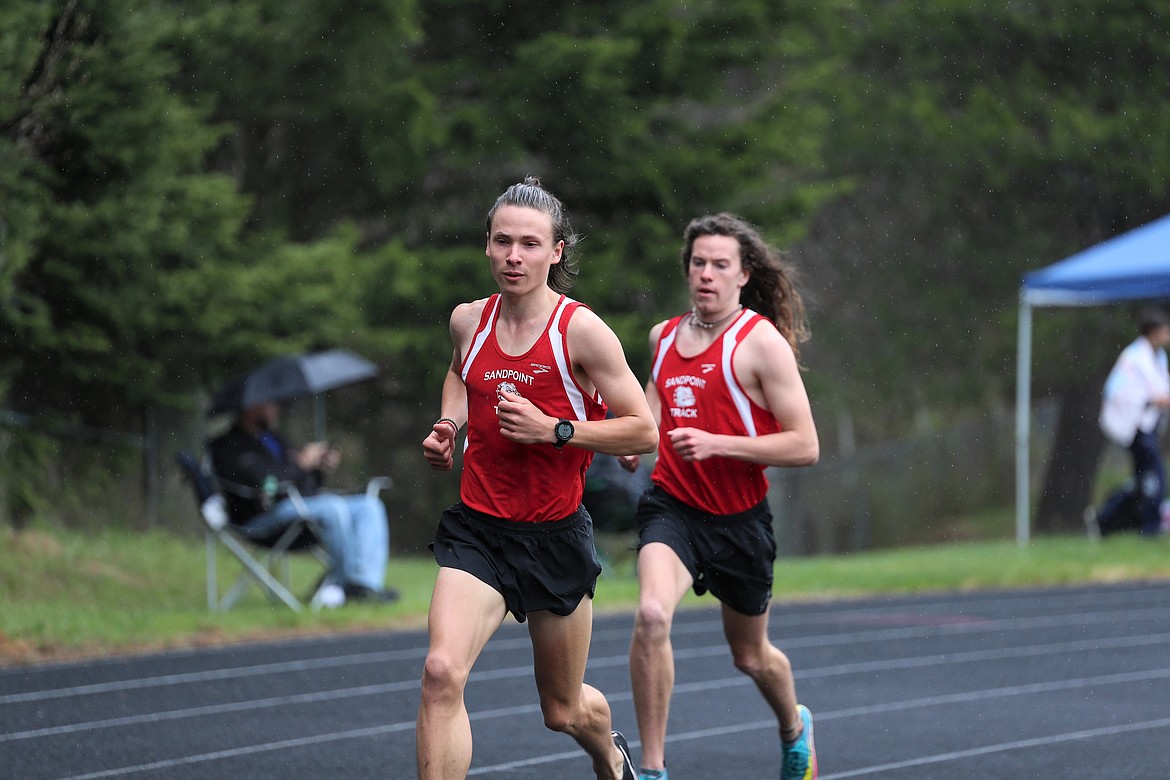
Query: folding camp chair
{"points": [[269, 567]]}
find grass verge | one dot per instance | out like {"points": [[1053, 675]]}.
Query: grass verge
{"points": [[69, 595]]}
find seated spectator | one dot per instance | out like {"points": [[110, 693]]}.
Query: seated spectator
{"points": [[354, 528]]}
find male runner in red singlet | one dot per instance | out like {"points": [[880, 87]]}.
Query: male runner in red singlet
{"points": [[726, 389], [528, 374]]}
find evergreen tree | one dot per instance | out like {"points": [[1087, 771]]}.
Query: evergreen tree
{"points": [[107, 204]]}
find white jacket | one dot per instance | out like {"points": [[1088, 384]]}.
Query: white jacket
{"points": [[1139, 375]]}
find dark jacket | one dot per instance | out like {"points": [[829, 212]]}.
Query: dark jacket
{"points": [[250, 475]]}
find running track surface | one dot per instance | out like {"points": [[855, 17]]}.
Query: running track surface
{"points": [[1056, 683]]}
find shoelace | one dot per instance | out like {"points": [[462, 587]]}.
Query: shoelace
{"points": [[795, 763]]}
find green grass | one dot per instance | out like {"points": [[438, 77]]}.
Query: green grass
{"points": [[71, 595]]}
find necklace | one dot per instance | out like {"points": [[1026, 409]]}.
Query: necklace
{"points": [[698, 323]]}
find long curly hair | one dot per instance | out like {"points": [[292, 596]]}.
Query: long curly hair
{"points": [[530, 194], [771, 286]]}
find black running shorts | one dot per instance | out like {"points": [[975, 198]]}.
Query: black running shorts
{"points": [[729, 555], [534, 566]]}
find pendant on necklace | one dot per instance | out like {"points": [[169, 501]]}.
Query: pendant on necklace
{"points": [[698, 323]]}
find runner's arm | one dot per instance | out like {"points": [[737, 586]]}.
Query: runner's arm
{"points": [[599, 357]]}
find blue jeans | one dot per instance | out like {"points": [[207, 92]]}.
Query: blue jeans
{"points": [[1138, 507], [355, 533]]}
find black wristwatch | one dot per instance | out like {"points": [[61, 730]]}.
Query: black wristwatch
{"points": [[563, 430]]}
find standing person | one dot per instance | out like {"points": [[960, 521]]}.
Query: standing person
{"points": [[1136, 396], [529, 369], [354, 528], [726, 389]]}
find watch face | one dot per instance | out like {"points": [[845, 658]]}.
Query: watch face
{"points": [[564, 431]]}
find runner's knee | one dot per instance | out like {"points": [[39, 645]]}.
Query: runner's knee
{"points": [[557, 717], [761, 661], [442, 679], [652, 622], [560, 714]]}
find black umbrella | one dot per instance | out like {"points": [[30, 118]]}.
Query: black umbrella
{"points": [[293, 376]]}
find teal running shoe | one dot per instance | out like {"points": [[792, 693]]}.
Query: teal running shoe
{"points": [[800, 755], [652, 774]]}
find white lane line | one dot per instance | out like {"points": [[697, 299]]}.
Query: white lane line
{"points": [[1022, 744], [885, 707], [835, 613], [523, 643], [940, 659], [739, 728], [251, 750]]}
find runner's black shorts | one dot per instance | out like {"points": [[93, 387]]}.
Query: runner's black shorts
{"points": [[729, 555], [534, 566]]}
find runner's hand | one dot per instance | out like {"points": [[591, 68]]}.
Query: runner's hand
{"points": [[692, 443], [522, 422], [629, 462], [439, 447]]}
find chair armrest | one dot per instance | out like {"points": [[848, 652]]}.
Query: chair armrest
{"points": [[377, 484], [214, 511]]}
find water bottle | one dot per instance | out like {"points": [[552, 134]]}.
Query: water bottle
{"points": [[268, 491]]}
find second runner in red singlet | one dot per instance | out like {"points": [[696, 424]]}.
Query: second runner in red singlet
{"points": [[703, 392]]}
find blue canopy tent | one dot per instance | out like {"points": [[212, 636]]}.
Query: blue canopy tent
{"points": [[1132, 266]]}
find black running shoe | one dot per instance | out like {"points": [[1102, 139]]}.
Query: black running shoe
{"points": [[355, 593], [628, 771]]}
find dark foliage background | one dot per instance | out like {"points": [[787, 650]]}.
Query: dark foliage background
{"points": [[186, 190]]}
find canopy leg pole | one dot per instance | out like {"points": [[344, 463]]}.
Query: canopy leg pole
{"points": [[1023, 421]]}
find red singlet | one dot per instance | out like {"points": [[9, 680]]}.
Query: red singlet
{"points": [[703, 392], [523, 482]]}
